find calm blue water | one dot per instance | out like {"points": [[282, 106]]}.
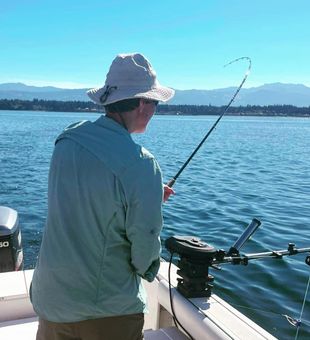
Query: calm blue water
{"points": [[248, 167]]}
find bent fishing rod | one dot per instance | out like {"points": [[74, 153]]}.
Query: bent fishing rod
{"points": [[172, 181]]}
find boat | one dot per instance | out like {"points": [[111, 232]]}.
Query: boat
{"points": [[171, 314], [203, 318]]}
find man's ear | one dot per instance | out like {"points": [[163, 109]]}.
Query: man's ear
{"points": [[141, 104]]}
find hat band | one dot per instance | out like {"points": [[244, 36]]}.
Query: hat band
{"points": [[106, 93]]}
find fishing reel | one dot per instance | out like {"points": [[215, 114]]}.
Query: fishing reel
{"points": [[196, 257]]}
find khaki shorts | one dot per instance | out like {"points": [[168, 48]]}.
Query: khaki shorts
{"points": [[125, 327]]}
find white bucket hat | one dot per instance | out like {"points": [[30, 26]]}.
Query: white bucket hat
{"points": [[130, 76]]}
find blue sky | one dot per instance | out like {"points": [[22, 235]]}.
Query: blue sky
{"points": [[72, 43]]}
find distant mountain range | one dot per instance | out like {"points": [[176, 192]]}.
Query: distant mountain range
{"points": [[268, 94]]}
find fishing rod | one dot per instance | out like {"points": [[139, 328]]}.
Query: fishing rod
{"points": [[172, 181]]}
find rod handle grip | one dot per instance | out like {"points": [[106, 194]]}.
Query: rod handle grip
{"points": [[171, 183]]}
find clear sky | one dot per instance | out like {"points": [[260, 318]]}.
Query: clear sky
{"points": [[71, 43]]}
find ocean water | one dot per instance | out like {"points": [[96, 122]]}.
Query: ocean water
{"points": [[249, 167]]}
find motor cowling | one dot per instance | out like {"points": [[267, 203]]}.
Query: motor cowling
{"points": [[11, 252]]}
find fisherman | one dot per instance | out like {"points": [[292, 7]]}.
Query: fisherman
{"points": [[104, 218]]}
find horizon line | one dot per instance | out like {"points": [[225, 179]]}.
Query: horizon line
{"points": [[65, 86]]}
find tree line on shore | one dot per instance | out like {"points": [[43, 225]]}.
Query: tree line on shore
{"points": [[163, 109]]}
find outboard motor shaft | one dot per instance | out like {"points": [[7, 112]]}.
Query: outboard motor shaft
{"points": [[11, 252]]}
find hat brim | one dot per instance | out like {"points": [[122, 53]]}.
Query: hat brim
{"points": [[159, 93]]}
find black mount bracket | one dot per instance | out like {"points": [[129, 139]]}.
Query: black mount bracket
{"points": [[195, 259]]}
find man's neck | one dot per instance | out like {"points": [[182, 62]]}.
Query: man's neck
{"points": [[118, 118]]}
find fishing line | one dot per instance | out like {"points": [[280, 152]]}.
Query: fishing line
{"points": [[302, 309], [290, 319], [172, 181], [262, 311]]}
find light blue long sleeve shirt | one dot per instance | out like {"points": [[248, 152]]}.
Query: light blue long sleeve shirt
{"points": [[102, 230]]}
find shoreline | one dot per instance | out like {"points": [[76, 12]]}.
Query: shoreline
{"points": [[171, 113], [162, 109]]}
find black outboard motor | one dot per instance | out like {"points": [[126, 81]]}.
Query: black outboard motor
{"points": [[11, 252]]}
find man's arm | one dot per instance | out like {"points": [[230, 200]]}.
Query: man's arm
{"points": [[143, 189]]}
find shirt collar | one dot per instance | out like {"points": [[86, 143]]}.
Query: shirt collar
{"points": [[111, 124]]}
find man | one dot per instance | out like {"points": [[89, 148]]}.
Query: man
{"points": [[104, 215]]}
